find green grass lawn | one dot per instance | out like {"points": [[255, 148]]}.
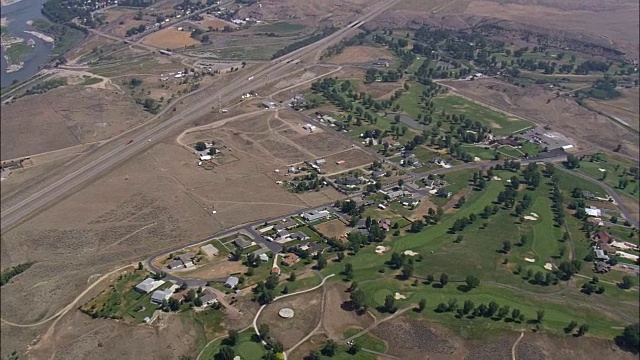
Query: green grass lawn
{"points": [[569, 181], [510, 152], [610, 163], [207, 324], [246, 348], [367, 341], [479, 253], [482, 152], [500, 123]]}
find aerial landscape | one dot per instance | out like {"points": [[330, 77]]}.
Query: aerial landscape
{"points": [[355, 179]]}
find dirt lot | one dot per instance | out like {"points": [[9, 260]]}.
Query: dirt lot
{"points": [[379, 90], [625, 108], [360, 54], [337, 317], [334, 228], [73, 114], [216, 269], [307, 314], [315, 342], [214, 23], [313, 13], [410, 339], [541, 106], [539, 346], [170, 38], [352, 158]]}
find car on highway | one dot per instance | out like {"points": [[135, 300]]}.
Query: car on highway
{"points": [[129, 142]]}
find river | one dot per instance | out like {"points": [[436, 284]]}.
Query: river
{"points": [[18, 14]]}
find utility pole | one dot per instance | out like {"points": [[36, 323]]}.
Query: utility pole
{"points": [[220, 103]]}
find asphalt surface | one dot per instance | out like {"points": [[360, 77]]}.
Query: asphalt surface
{"points": [[110, 155]]}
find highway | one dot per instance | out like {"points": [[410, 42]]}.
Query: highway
{"points": [[110, 155]]}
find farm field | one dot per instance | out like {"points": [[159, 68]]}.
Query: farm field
{"points": [[170, 38], [281, 27], [361, 54]]}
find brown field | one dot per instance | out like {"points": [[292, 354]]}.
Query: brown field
{"points": [[625, 108], [307, 308], [540, 346], [73, 114], [170, 38], [338, 317], [315, 342], [334, 228], [216, 269], [352, 158], [214, 23], [360, 54], [561, 113], [379, 90], [410, 339]]}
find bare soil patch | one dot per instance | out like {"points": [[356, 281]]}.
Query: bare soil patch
{"points": [[215, 23], [65, 117], [360, 54], [170, 38], [625, 108], [410, 339], [307, 308], [315, 342], [540, 105], [494, 349], [423, 208], [338, 317], [216, 269], [349, 159], [540, 346], [334, 228]]}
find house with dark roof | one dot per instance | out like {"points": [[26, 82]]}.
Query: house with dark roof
{"points": [[159, 296], [290, 259], [300, 236], [601, 267], [360, 231], [285, 224], [312, 247], [231, 282], [603, 240], [242, 242], [208, 299], [385, 224], [442, 192]]}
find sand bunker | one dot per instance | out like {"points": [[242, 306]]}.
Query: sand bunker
{"points": [[527, 217], [534, 215], [529, 260], [380, 249], [410, 253], [399, 296], [496, 178], [548, 266]]}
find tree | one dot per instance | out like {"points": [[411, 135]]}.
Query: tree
{"points": [[322, 263], [348, 271], [506, 246], [390, 303], [627, 282], [237, 254], [569, 328], [430, 278], [503, 312], [358, 300], [292, 277], [492, 309], [329, 349], [444, 279], [140, 267], [421, 305], [583, 329], [355, 348], [340, 256], [272, 281], [572, 161], [232, 338], [263, 330], [452, 305], [225, 353], [523, 240], [630, 338], [200, 146], [468, 306], [407, 270], [515, 314], [173, 304], [539, 316], [472, 282]]}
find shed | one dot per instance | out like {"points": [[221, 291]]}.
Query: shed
{"points": [[231, 282], [241, 242]]}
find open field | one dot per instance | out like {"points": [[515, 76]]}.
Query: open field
{"points": [[281, 27], [334, 228], [307, 314], [625, 109], [215, 23], [360, 54], [170, 38], [339, 317], [77, 117], [561, 113]]}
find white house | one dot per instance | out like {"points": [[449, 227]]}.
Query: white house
{"points": [[148, 285]]}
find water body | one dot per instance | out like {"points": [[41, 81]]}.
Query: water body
{"points": [[18, 14]]}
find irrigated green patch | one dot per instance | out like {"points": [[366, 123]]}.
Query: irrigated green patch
{"points": [[17, 52]]}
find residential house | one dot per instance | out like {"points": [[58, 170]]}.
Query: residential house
{"points": [[385, 224], [595, 221], [177, 264], [396, 193], [260, 252], [290, 259], [263, 257], [315, 215], [348, 181], [159, 296], [601, 267], [409, 201], [362, 223], [603, 240], [232, 282], [186, 259], [312, 247], [210, 250], [147, 285], [364, 232], [283, 236], [242, 242], [208, 299], [285, 224], [442, 192], [593, 211], [588, 195], [269, 104], [600, 255], [300, 236], [180, 295]]}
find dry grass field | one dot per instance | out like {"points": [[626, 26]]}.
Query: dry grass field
{"points": [[307, 309], [170, 38], [340, 317], [352, 158], [561, 113], [334, 228], [379, 90], [360, 54], [214, 23], [625, 108], [65, 117]]}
